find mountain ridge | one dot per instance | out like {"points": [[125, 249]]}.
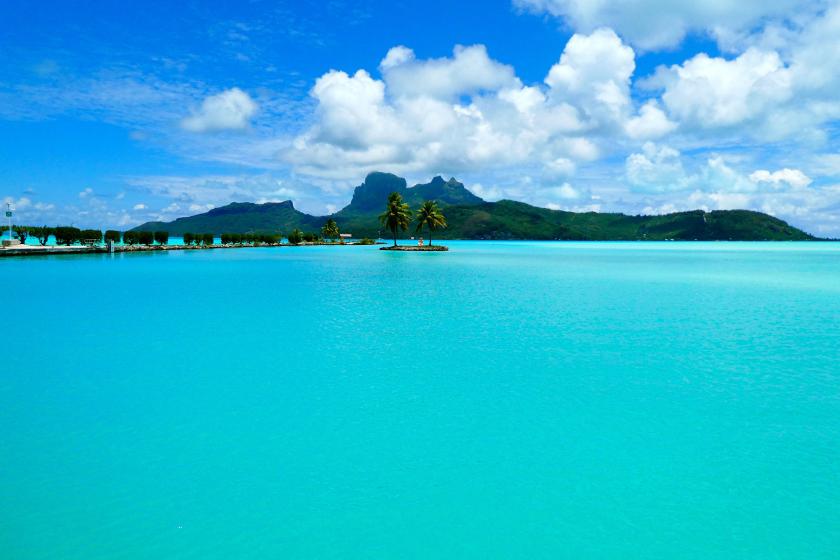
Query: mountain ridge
{"points": [[471, 217]]}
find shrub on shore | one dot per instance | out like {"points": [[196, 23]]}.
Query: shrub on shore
{"points": [[21, 233], [296, 237], [42, 234], [269, 237], [365, 241], [330, 230], [65, 235], [188, 238], [249, 238], [161, 237], [131, 238], [145, 237], [207, 239], [231, 238], [90, 235], [113, 236]]}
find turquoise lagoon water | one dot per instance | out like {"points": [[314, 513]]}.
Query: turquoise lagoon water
{"points": [[504, 400]]}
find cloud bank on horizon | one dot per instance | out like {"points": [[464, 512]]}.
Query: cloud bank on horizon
{"points": [[743, 115]]}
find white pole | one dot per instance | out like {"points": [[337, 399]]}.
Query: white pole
{"points": [[9, 213]]}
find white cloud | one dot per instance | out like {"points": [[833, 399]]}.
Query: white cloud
{"points": [[469, 111], [707, 92], [594, 74], [558, 168], [659, 169], [86, 193], [654, 24], [793, 178], [491, 193], [563, 192], [231, 109], [656, 169], [650, 124], [198, 208], [21, 203], [139, 207], [469, 70], [396, 56]]}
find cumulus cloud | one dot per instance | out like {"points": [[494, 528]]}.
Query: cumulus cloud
{"points": [[21, 203], [469, 70], [594, 74], [651, 123], [231, 109], [653, 24], [563, 192], [656, 169], [396, 56], [709, 92], [469, 111], [778, 88], [659, 169], [793, 178]]}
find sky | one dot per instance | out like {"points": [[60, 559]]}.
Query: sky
{"points": [[117, 113]]}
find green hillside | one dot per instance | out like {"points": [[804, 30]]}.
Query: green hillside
{"points": [[470, 217], [240, 217], [507, 219]]}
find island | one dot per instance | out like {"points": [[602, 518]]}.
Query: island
{"points": [[470, 217]]}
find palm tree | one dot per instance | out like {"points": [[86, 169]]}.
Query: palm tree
{"points": [[430, 215], [330, 229], [396, 215]]}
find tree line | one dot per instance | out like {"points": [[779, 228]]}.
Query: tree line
{"points": [[398, 215], [68, 235], [247, 238]]}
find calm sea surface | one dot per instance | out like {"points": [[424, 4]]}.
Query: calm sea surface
{"points": [[504, 400]]}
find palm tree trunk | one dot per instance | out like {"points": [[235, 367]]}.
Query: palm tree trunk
{"points": [[395, 237], [430, 237]]}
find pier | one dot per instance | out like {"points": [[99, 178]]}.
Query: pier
{"points": [[34, 250]]}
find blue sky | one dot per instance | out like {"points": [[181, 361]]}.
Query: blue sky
{"points": [[112, 114]]}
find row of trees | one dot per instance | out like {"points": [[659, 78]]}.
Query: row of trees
{"points": [[67, 235], [398, 215], [139, 237], [297, 237], [250, 238], [198, 238], [72, 235]]}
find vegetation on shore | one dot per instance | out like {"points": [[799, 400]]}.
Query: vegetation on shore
{"points": [[430, 215], [249, 238], [67, 236], [397, 214], [330, 230]]}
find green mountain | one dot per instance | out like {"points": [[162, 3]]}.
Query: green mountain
{"points": [[240, 217], [369, 197], [508, 219], [470, 217]]}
